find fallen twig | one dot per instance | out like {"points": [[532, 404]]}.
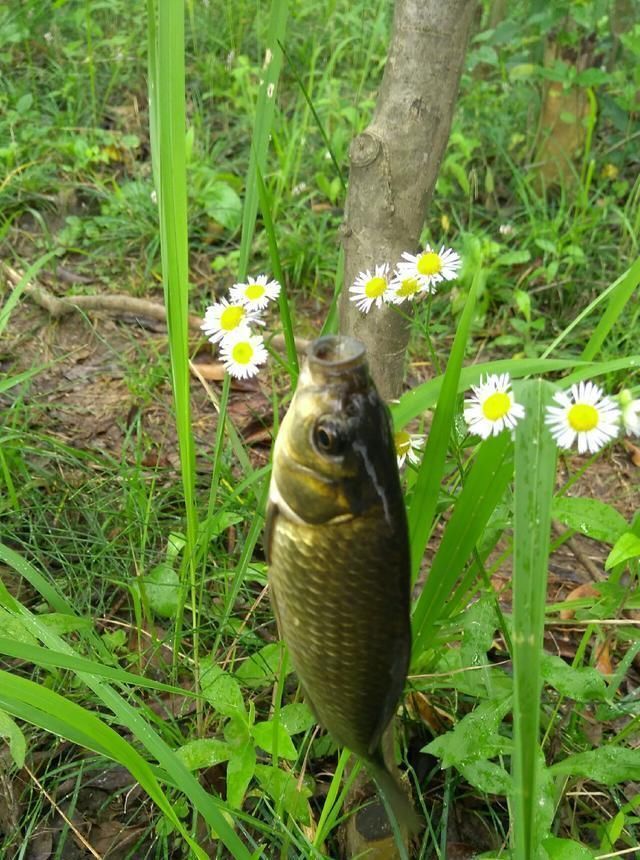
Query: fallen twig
{"points": [[115, 304]]}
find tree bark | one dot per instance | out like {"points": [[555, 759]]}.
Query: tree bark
{"points": [[395, 162]]}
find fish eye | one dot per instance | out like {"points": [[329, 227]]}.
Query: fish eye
{"points": [[329, 437]]}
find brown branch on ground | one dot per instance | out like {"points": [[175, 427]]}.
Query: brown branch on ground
{"points": [[114, 304], [584, 560]]}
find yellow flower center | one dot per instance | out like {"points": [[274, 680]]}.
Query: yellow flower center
{"points": [[583, 417], [230, 317], [408, 287], [402, 441], [496, 405], [255, 291], [242, 352], [375, 287], [429, 263]]}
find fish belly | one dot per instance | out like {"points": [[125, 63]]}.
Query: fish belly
{"points": [[341, 593]]}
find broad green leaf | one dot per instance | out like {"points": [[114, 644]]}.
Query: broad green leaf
{"points": [[513, 258], [62, 622], [535, 471], [474, 737], [13, 734], [584, 684], [565, 849], [487, 776], [222, 691], [262, 667], [296, 717], [240, 771], [626, 547], [283, 788], [452, 672], [590, 517], [271, 736], [162, 588], [204, 752], [223, 205], [608, 764], [13, 628]]}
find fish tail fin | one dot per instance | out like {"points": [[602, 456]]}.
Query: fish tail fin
{"points": [[397, 799]]}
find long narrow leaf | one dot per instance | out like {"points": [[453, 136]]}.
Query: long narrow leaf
{"points": [[535, 470], [427, 487], [484, 487], [616, 293], [59, 715], [207, 805], [424, 396], [265, 109], [620, 293]]}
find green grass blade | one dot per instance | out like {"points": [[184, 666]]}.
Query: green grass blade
{"points": [[416, 401], [59, 715], [330, 325], [619, 294], [14, 296], [167, 91], [599, 368], [484, 487], [283, 301], [207, 805], [265, 109], [535, 471], [427, 486], [314, 112], [55, 659]]}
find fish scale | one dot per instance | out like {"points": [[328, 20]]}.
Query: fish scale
{"points": [[338, 553], [345, 633]]}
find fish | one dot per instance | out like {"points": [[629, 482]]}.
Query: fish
{"points": [[337, 547]]}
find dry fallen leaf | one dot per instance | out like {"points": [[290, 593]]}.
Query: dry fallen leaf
{"points": [[585, 590], [633, 451], [603, 659], [211, 372]]}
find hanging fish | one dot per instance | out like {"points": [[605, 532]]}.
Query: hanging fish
{"points": [[338, 553]]}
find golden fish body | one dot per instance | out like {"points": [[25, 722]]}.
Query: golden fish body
{"points": [[338, 552]]}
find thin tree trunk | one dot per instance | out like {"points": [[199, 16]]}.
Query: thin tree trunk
{"points": [[394, 165]]}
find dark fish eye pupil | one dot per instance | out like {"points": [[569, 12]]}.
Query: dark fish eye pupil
{"points": [[329, 438], [325, 439]]}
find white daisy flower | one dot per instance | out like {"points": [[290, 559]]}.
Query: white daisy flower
{"points": [[403, 288], [584, 412], [630, 413], [256, 293], [369, 289], [224, 317], [243, 353], [492, 407], [408, 447], [430, 267]]}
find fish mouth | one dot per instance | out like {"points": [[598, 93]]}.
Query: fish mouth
{"points": [[334, 355]]}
